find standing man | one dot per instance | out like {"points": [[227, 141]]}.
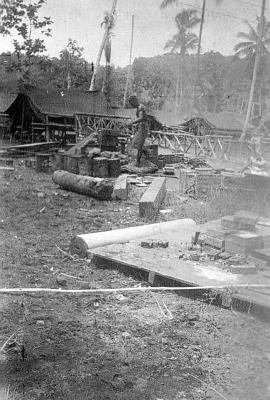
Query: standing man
{"points": [[143, 126]]}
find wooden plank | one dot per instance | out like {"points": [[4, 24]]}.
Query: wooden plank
{"points": [[152, 199]]}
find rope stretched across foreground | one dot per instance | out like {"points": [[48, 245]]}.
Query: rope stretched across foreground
{"points": [[129, 289]]}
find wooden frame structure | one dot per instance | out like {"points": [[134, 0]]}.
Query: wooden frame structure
{"points": [[85, 124], [209, 146]]}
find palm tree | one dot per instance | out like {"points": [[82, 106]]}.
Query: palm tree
{"points": [[257, 61], [166, 3], [183, 41], [247, 49], [108, 22]]}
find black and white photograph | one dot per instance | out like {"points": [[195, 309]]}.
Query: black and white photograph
{"points": [[134, 200]]}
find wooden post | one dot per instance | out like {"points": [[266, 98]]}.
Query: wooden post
{"points": [[129, 66], [47, 129], [32, 130]]}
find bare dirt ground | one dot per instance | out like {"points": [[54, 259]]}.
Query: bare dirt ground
{"points": [[113, 346]]}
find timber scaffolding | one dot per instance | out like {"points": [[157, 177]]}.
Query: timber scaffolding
{"points": [[85, 123], [215, 147]]}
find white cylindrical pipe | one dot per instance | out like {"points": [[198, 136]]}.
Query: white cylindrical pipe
{"points": [[180, 230]]}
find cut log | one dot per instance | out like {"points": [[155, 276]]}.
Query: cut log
{"points": [[114, 167], [153, 197], [180, 230], [94, 187], [100, 167]]}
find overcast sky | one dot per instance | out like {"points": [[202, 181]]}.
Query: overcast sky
{"points": [[81, 19]]}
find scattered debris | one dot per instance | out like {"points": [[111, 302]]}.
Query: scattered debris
{"points": [[149, 244]]}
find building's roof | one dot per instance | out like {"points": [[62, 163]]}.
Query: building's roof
{"points": [[226, 120], [168, 118], [6, 99], [65, 102], [69, 103]]}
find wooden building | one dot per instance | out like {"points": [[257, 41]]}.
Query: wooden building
{"points": [[6, 99], [39, 115]]}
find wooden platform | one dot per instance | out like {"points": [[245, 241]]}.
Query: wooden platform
{"points": [[159, 265]]}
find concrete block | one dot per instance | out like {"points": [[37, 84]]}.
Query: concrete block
{"points": [[120, 191], [243, 242], [245, 218], [260, 264], [204, 171], [218, 232], [228, 222], [264, 232], [224, 255], [153, 197], [243, 269], [262, 254], [215, 242]]}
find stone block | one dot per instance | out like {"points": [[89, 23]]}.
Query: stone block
{"points": [[224, 255], [262, 254], [204, 171], [264, 232], [260, 264], [214, 242], [120, 191], [245, 218], [243, 269], [228, 222], [243, 242], [218, 232], [153, 197]]}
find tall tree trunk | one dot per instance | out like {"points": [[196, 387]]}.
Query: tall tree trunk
{"points": [[197, 79], [129, 65], [177, 85], [107, 29], [255, 71]]}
